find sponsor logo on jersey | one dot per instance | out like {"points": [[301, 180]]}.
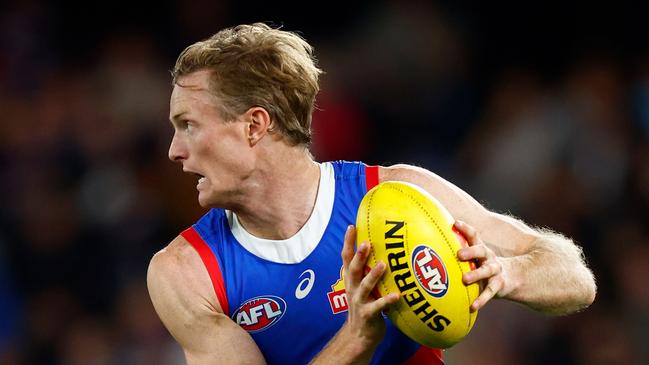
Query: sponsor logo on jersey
{"points": [[259, 313], [429, 271], [306, 284], [337, 296]]}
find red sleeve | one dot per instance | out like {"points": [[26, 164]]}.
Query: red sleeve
{"points": [[371, 177], [211, 264]]}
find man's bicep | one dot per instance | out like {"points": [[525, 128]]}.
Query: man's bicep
{"points": [[183, 305], [170, 301], [505, 234]]}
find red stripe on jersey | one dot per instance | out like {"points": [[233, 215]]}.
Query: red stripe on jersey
{"points": [[371, 176], [212, 266], [426, 356]]}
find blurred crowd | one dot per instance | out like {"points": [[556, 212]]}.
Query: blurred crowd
{"points": [[560, 140]]}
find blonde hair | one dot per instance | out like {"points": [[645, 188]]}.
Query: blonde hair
{"points": [[256, 65]]}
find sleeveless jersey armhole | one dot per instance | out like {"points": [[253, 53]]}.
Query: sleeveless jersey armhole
{"points": [[371, 177], [211, 264]]}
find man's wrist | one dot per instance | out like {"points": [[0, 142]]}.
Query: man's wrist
{"points": [[347, 347], [512, 270], [358, 345]]}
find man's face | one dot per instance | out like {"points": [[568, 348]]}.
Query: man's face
{"points": [[215, 150]]}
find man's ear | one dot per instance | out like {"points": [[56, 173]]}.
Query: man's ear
{"points": [[259, 124]]}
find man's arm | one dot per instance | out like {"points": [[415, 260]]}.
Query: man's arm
{"points": [[541, 269], [356, 341], [185, 301]]}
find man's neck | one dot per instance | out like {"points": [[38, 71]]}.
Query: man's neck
{"points": [[281, 196]]}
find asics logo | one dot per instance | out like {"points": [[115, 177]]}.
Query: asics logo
{"points": [[304, 287]]}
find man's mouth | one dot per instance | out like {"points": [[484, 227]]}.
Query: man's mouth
{"points": [[201, 178]]}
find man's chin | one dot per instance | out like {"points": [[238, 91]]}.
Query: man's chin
{"points": [[204, 201], [207, 202]]}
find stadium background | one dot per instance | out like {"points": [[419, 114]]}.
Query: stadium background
{"points": [[539, 109]]}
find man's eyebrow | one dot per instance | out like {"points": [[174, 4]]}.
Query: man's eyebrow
{"points": [[177, 116]]}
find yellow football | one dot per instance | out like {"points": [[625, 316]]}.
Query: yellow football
{"points": [[413, 234]]}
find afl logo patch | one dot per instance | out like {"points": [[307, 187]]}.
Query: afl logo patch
{"points": [[259, 313], [429, 271]]}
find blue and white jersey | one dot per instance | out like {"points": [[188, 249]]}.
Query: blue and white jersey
{"points": [[289, 294]]}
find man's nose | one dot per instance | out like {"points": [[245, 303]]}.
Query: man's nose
{"points": [[177, 150]]}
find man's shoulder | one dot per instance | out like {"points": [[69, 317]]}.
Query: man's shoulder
{"points": [[173, 263], [177, 270], [181, 293], [176, 254]]}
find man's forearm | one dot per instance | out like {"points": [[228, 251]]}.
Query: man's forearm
{"points": [[345, 349], [551, 278]]}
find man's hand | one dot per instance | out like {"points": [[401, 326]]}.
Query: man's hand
{"points": [[364, 329], [489, 271], [364, 319]]}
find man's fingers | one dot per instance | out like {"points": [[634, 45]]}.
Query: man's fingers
{"points": [[469, 232], [347, 252], [485, 271], [489, 267], [372, 278], [478, 252], [357, 265], [383, 304], [492, 288]]}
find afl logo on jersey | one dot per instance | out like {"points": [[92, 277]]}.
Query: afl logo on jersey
{"points": [[429, 271], [259, 313]]}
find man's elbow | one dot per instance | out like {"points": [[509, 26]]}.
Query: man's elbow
{"points": [[580, 293], [583, 294], [584, 286], [589, 288]]}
